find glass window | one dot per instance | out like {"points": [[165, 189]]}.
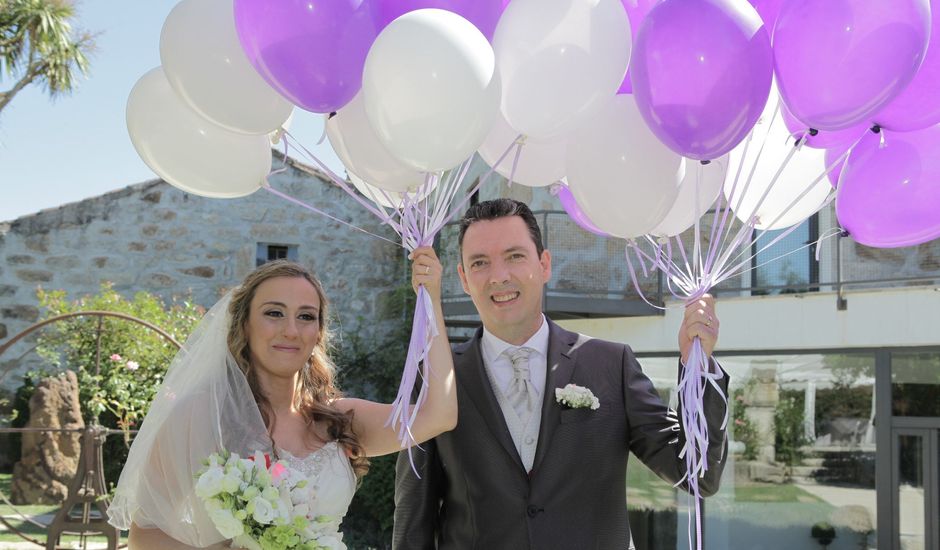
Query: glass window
{"points": [[788, 266], [915, 384], [267, 252], [802, 454], [910, 496]]}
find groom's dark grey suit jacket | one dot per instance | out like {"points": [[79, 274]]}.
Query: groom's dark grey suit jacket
{"points": [[474, 492]]}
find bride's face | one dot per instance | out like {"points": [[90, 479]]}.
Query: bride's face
{"points": [[283, 325]]}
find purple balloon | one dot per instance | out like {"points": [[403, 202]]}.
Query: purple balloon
{"points": [[701, 74], [575, 212], [839, 62], [636, 13], [311, 51], [889, 194], [824, 139], [482, 13], [918, 106], [768, 11]]}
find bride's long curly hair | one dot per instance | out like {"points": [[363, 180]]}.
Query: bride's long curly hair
{"points": [[315, 388]]}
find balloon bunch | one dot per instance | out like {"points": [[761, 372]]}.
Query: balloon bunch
{"points": [[770, 97], [653, 113]]}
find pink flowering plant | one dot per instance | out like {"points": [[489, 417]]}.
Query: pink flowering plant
{"points": [[117, 384], [263, 505], [742, 427]]}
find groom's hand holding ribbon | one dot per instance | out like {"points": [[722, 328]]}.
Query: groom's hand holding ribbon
{"points": [[699, 321]]}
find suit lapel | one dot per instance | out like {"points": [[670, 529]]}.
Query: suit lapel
{"points": [[468, 363], [560, 367]]}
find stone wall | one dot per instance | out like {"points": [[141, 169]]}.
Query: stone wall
{"points": [[154, 237]]}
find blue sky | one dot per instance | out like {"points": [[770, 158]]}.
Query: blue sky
{"points": [[62, 151]]}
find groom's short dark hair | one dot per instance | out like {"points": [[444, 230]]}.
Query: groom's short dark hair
{"points": [[501, 208]]}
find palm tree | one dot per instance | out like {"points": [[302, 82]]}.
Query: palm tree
{"points": [[37, 45]]}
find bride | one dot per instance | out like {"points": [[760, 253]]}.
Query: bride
{"points": [[255, 376]]}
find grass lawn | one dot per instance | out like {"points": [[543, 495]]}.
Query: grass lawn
{"points": [[773, 492], [29, 529]]}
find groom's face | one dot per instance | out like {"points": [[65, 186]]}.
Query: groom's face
{"points": [[504, 274]]}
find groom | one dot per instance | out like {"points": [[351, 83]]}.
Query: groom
{"points": [[520, 470]]}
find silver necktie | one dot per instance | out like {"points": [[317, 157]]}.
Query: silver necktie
{"points": [[521, 394]]}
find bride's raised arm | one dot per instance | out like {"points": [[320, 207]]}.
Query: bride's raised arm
{"points": [[438, 413]]}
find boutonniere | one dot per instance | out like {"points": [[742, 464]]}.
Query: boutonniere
{"points": [[574, 396]]}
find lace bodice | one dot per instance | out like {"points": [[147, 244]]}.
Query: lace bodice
{"points": [[331, 475]]}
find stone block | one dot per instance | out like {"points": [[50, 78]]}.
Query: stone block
{"points": [[21, 312], [34, 275], [149, 230], [159, 280], [37, 242], [86, 280], [7, 290], [20, 259], [49, 459], [136, 247], [152, 197], [63, 262], [164, 245], [205, 272], [100, 261]]}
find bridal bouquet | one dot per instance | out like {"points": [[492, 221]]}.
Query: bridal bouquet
{"points": [[262, 505]]}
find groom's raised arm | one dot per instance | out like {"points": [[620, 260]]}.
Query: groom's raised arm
{"points": [[418, 501]]}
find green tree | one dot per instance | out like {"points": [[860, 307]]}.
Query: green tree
{"points": [[38, 45], [373, 370], [117, 384], [789, 435]]}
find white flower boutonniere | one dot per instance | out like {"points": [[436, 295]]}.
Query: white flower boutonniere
{"points": [[574, 396]]}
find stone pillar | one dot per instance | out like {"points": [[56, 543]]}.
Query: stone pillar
{"points": [[764, 397], [49, 459]]}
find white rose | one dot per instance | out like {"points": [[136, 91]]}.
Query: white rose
{"points": [[231, 482], [263, 511], [224, 520], [209, 483], [301, 495]]}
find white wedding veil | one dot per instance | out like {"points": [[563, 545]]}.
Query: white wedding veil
{"points": [[203, 406]]}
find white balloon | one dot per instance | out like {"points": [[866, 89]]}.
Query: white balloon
{"points": [[559, 61], [388, 199], [623, 178], [805, 166], [356, 144], [188, 151], [205, 64], [277, 135], [431, 89], [702, 182], [541, 162]]}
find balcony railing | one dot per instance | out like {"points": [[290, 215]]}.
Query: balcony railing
{"points": [[590, 277]]}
